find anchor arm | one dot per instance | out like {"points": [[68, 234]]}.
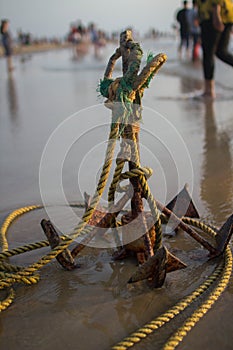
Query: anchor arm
{"points": [[186, 228], [103, 224], [111, 63]]}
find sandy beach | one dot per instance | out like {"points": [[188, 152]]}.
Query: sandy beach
{"points": [[35, 48], [51, 100]]}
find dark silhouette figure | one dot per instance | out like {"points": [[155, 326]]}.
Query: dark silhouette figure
{"points": [[182, 19]]}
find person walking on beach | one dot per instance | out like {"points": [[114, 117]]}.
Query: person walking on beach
{"points": [[182, 19], [216, 20], [195, 30], [7, 43]]}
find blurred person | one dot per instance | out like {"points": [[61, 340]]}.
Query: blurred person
{"points": [[216, 19], [80, 36], [195, 30], [98, 39], [94, 38], [7, 43], [82, 47], [182, 19]]}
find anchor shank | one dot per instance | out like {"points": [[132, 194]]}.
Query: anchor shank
{"points": [[105, 221]]}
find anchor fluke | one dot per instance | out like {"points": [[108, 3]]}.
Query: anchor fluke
{"points": [[182, 204], [173, 263], [224, 235], [156, 267]]}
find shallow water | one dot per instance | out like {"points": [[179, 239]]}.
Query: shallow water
{"points": [[182, 140]]}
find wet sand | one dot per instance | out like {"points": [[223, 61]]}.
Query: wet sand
{"points": [[182, 139]]}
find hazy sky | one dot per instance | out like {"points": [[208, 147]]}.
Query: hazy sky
{"points": [[53, 17]]}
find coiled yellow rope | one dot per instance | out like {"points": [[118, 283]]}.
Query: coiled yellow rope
{"points": [[14, 274], [15, 214], [25, 275], [11, 274], [222, 273]]}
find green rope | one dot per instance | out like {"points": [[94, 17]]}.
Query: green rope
{"points": [[147, 83], [103, 86]]}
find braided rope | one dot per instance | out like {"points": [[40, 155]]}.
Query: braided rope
{"points": [[102, 181], [25, 274], [154, 211], [179, 335], [8, 300], [23, 249], [123, 92], [222, 272], [142, 174], [147, 172], [8, 221], [135, 157], [150, 198], [116, 178], [13, 274], [9, 267]]}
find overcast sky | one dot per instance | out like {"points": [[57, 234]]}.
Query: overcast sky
{"points": [[53, 17]]}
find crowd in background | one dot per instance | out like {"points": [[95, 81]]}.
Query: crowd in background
{"points": [[207, 24], [82, 37]]}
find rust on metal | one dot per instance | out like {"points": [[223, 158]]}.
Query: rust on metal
{"points": [[138, 228], [101, 219], [182, 204], [186, 228], [131, 132], [65, 258], [132, 228], [154, 269], [174, 263], [136, 220]]}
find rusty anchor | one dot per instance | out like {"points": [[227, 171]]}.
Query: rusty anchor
{"points": [[154, 263]]}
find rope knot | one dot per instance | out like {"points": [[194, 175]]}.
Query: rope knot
{"points": [[145, 171]]}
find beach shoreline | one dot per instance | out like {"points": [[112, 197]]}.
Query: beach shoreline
{"points": [[36, 48]]}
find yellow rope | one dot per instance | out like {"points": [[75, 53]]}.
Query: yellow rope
{"points": [[8, 300], [116, 178], [8, 221], [148, 195], [23, 249], [178, 336], [25, 274], [223, 272], [17, 274], [143, 174], [9, 267], [11, 274]]}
